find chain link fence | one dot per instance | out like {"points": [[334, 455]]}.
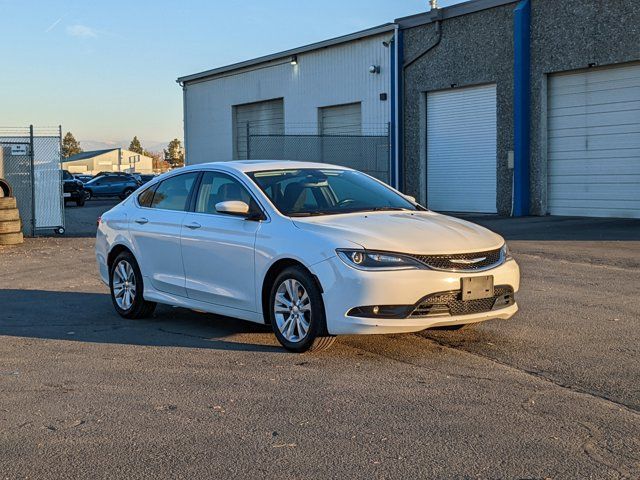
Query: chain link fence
{"points": [[30, 162], [368, 153]]}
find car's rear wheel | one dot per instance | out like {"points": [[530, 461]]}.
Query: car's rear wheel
{"points": [[297, 312], [125, 282], [126, 193]]}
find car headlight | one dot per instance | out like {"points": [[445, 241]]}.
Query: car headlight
{"points": [[506, 253], [370, 260]]}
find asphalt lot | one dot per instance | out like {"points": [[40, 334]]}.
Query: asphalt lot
{"points": [[552, 393]]}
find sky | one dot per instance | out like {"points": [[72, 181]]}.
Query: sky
{"points": [[106, 70]]}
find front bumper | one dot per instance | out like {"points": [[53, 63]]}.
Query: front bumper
{"points": [[345, 288]]}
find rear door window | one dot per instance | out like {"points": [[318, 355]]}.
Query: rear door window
{"points": [[146, 197], [174, 193]]}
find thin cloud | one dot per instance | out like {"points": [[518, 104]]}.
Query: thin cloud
{"points": [[53, 25], [81, 31]]}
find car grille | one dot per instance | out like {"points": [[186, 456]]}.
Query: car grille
{"points": [[451, 303], [457, 262]]}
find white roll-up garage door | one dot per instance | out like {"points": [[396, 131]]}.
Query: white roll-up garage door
{"points": [[260, 118], [594, 143], [461, 150]]}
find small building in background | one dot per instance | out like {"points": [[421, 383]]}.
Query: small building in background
{"points": [[332, 101], [110, 160]]}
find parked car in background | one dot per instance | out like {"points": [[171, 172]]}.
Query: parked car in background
{"points": [[83, 178], [111, 186], [135, 176], [314, 250], [72, 189]]}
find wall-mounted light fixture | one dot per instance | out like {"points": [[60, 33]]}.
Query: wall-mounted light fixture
{"points": [[294, 60], [374, 69]]}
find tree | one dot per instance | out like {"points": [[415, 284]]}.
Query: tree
{"points": [[135, 146], [159, 164], [70, 146], [174, 153]]}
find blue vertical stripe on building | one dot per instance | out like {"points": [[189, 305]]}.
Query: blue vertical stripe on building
{"points": [[522, 108]]}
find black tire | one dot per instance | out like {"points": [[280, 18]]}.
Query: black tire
{"points": [[80, 203], [126, 193], [5, 188], [317, 338], [88, 194], [140, 308]]}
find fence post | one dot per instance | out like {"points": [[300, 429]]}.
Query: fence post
{"points": [[390, 155], [33, 182], [60, 177], [248, 142]]}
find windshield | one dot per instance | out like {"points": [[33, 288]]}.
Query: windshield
{"points": [[66, 175], [310, 191]]}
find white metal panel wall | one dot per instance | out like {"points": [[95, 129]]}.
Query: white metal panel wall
{"points": [[261, 118], [594, 143], [461, 150], [332, 76], [341, 120]]}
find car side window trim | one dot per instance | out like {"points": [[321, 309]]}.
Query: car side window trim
{"points": [[234, 177], [150, 187]]}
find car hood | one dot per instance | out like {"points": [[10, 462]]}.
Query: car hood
{"points": [[408, 232]]}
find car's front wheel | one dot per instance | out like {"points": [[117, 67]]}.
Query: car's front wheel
{"points": [[125, 282], [296, 311]]}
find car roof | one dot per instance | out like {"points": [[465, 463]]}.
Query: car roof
{"points": [[261, 165]]}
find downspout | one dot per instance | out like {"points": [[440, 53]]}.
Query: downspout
{"points": [[437, 14], [393, 125], [184, 120], [521, 108]]}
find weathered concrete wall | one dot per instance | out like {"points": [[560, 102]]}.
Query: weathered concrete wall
{"points": [[478, 48], [475, 49], [571, 35]]}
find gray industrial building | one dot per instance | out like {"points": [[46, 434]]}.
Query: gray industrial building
{"points": [[524, 107]]}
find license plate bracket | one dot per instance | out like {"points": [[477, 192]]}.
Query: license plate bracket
{"points": [[475, 288]]}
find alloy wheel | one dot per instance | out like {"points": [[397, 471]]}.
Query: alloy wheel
{"points": [[292, 310], [124, 284]]}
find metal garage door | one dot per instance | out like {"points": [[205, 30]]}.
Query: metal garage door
{"points": [[341, 120], [461, 150], [594, 143], [260, 118]]}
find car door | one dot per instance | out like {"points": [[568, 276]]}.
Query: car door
{"points": [[218, 250], [114, 185], [155, 228]]}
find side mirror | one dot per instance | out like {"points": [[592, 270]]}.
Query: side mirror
{"points": [[233, 207], [410, 198]]}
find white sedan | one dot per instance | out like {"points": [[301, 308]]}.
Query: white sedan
{"points": [[314, 250]]}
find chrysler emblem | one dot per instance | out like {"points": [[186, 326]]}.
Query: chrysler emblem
{"points": [[469, 261]]}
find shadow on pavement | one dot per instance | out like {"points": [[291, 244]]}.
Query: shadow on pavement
{"points": [[90, 317], [559, 228]]}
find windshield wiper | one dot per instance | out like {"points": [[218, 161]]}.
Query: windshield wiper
{"points": [[307, 214], [387, 209]]}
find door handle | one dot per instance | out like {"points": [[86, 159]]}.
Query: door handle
{"points": [[142, 221], [193, 225]]}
